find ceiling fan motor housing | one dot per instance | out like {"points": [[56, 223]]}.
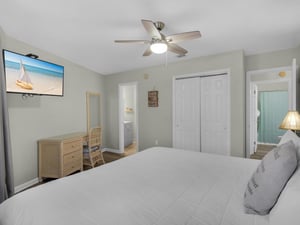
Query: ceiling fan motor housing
{"points": [[159, 25]]}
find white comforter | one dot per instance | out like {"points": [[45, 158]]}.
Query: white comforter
{"points": [[159, 186]]}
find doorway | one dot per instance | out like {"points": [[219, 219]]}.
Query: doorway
{"points": [[270, 94], [128, 122]]}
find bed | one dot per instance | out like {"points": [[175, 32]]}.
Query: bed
{"points": [[158, 186]]}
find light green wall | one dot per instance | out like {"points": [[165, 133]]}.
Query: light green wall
{"points": [[42, 116], [272, 59], [1, 35], [156, 123], [275, 59]]}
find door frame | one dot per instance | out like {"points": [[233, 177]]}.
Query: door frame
{"points": [[204, 74], [291, 93], [121, 115]]}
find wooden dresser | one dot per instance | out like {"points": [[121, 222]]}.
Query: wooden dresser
{"points": [[61, 155]]}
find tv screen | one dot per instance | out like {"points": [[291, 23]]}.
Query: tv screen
{"points": [[28, 75]]}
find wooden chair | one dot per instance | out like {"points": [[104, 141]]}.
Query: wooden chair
{"points": [[92, 153]]}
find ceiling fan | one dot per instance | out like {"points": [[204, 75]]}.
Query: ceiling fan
{"points": [[160, 43]]}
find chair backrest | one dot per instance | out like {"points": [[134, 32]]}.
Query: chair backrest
{"points": [[94, 137]]}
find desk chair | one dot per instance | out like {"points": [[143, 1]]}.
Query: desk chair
{"points": [[92, 153]]}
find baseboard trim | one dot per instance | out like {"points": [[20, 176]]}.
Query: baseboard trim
{"points": [[111, 150], [28, 184]]}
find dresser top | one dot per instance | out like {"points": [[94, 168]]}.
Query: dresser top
{"points": [[66, 136]]}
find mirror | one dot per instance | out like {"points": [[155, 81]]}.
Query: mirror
{"points": [[93, 110]]}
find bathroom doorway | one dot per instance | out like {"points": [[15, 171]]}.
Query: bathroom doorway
{"points": [[270, 94], [128, 122]]}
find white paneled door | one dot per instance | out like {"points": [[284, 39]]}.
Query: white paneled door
{"points": [[187, 110], [254, 113], [214, 115], [201, 114]]}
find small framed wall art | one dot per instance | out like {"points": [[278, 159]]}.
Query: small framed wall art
{"points": [[152, 98]]}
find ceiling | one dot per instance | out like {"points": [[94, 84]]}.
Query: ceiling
{"points": [[84, 31]]}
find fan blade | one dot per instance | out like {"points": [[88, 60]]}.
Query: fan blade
{"points": [[133, 41], [151, 29], [177, 49], [147, 52], [175, 38]]}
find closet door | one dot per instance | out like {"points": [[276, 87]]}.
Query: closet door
{"points": [[201, 114], [214, 115], [186, 115]]}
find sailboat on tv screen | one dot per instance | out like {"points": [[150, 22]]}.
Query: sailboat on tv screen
{"points": [[24, 80]]}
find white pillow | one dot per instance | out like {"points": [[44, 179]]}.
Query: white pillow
{"points": [[290, 135], [286, 210]]}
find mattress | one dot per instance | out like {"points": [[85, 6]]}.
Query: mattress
{"points": [[158, 186]]}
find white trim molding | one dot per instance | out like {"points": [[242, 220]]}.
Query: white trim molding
{"points": [[27, 184]]}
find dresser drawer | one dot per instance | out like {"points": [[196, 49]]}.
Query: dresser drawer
{"points": [[71, 146], [72, 157], [72, 167]]}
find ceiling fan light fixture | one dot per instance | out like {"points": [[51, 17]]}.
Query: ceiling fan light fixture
{"points": [[159, 47]]}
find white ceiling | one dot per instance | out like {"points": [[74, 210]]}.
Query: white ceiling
{"points": [[84, 31]]}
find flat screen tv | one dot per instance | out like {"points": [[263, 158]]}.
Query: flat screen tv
{"points": [[27, 75]]}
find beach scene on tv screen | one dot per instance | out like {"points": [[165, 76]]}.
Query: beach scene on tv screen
{"points": [[28, 75]]}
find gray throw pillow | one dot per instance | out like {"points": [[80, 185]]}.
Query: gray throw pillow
{"points": [[269, 179]]}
